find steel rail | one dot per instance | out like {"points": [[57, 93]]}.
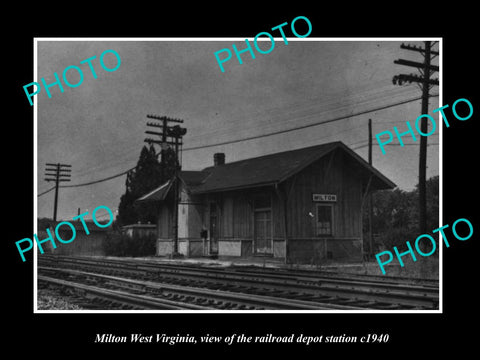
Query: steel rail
{"points": [[393, 294], [236, 300], [305, 276], [134, 300]]}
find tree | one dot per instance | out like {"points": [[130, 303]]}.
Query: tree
{"points": [[396, 215], [169, 163], [146, 176]]}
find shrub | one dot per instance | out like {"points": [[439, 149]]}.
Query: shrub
{"points": [[117, 244], [397, 237]]}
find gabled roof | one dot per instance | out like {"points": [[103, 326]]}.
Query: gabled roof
{"points": [[189, 178], [266, 170], [193, 178], [275, 168]]}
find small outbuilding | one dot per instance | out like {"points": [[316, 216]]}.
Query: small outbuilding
{"points": [[304, 206], [139, 230]]}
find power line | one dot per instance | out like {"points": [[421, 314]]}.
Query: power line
{"points": [[120, 158], [321, 110], [91, 182], [412, 144], [133, 168], [302, 126], [252, 138], [97, 181], [100, 180], [365, 145], [46, 191]]}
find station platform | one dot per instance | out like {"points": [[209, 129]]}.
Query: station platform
{"points": [[264, 262], [413, 270]]}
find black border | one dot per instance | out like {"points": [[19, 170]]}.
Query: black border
{"points": [[409, 333]]}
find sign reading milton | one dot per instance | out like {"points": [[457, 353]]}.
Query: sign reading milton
{"points": [[324, 197]]}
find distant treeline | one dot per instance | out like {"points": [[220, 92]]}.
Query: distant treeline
{"points": [[396, 215]]}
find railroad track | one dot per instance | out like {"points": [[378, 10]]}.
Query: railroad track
{"points": [[112, 299], [138, 294], [360, 293]]}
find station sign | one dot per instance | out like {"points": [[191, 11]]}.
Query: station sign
{"points": [[324, 197]]}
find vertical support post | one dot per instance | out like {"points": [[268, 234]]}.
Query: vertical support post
{"points": [[58, 177], [162, 150], [370, 141], [175, 215], [370, 204], [283, 199], [175, 132], [57, 181], [426, 69], [325, 247], [175, 211], [422, 173]]}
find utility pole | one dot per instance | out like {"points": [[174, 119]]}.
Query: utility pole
{"points": [[370, 204], [425, 82], [170, 135], [58, 173]]}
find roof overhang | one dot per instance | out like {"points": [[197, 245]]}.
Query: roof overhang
{"points": [[233, 188], [158, 194], [196, 185]]}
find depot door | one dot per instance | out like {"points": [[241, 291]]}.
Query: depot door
{"points": [[263, 232]]}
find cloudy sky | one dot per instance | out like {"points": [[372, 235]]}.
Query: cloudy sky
{"points": [[98, 127]]}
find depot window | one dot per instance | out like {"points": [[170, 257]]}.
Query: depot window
{"points": [[324, 220]]}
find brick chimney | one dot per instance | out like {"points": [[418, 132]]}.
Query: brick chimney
{"points": [[218, 159]]}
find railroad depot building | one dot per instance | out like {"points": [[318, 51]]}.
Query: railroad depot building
{"points": [[304, 206]]}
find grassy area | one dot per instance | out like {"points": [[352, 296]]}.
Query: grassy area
{"points": [[48, 300], [423, 268]]}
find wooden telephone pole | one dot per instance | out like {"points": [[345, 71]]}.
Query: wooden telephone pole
{"points": [[58, 173], [169, 135], [370, 204], [425, 82]]}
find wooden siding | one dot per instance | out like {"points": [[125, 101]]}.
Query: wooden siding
{"points": [[333, 174], [242, 216], [326, 176], [227, 219]]}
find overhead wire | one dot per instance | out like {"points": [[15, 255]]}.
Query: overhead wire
{"points": [[312, 107], [292, 117], [100, 180], [47, 191], [302, 126], [254, 137]]}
